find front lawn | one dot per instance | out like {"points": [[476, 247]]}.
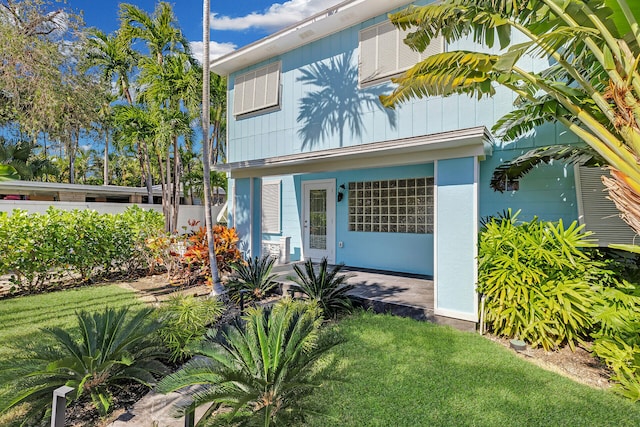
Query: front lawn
{"points": [[399, 372], [22, 318]]}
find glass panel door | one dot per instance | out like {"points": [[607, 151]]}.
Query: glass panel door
{"points": [[319, 207], [318, 219]]}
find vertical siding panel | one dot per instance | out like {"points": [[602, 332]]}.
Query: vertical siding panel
{"points": [[434, 115], [419, 117]]}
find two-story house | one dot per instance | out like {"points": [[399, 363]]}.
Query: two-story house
{"points": [[316, 161]]}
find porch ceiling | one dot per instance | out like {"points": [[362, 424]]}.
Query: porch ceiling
{"points": [[468, 142]]}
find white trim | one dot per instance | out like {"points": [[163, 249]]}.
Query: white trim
{"points": [[331, 213], [476, 209], [576, 178], [468, 142], [435, 235], [456, 314], [251, 218]]}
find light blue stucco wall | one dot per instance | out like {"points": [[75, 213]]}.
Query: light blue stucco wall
{"points": [[456, 230], [403, 252]]}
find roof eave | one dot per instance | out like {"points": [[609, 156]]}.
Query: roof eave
{"points": [[322, 24]]}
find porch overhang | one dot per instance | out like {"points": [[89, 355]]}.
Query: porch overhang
{"points": [[470, 142]]}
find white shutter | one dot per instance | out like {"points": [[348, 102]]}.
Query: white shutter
{"points": [[238, 95], [257, 90], [384, 54], [597, 212], [436, 46], [259, 99], [387, 62], [407, 57], [271, 207], [272, 92], [368, 53]]}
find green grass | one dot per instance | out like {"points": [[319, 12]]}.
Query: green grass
{"points": [[22, 318], [399, 372]]}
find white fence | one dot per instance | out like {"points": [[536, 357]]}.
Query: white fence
{"points": [[185, 213]]}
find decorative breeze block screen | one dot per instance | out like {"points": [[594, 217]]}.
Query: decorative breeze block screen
{"points": [[392, 206]]}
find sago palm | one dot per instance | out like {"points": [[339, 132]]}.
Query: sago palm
{"points": [[261, 370], [114, 347], [254, 276], [592, 85], [326, 287]]}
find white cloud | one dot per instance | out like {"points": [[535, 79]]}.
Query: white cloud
{"points": [[215, 49], [277, 16]]}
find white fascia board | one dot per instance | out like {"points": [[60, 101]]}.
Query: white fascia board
{"points": [[329, 21], [416, 150]]}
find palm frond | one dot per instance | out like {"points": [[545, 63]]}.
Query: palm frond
{"points": [[515, 169]]}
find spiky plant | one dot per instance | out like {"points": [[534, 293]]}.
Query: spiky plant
{"points": [[328, 288], [113, 347], [260, 370], [184, 320], [253, 276]]}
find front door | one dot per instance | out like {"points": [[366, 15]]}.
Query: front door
{"points": [[318, 221]]}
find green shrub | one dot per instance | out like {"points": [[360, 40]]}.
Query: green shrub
{"points": [[184, 320], [261, 370], [538, 283], [39, 248], [114, 347], [253, 276], [327, 288]]}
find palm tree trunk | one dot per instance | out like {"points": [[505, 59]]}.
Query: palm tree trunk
{"points": [[146, 169], [216, 289], [625, 198], [176, 184], [105, 171]]}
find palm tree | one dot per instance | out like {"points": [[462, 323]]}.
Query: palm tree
{"points": [[591, 86], [115, 57], [22, 160], [216, 289], [159, 30], [134, 128], [261, 370]]}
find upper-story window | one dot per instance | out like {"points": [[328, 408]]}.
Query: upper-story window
{"points": [[257, 90], [384, 54]]}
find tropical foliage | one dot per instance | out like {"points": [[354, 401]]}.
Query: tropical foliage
{"points": [[113, 347], [538, 283], [590, 84], [184, 320], [253, 277], [325, 287], [44, 247], [261, 369]]}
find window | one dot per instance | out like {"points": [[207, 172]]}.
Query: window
{"points": [[383, 53], [597, 212], [392, 206], [271, 207], [257, 90]]}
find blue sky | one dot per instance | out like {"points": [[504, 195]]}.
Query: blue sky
{"points": [[233, 23]]}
